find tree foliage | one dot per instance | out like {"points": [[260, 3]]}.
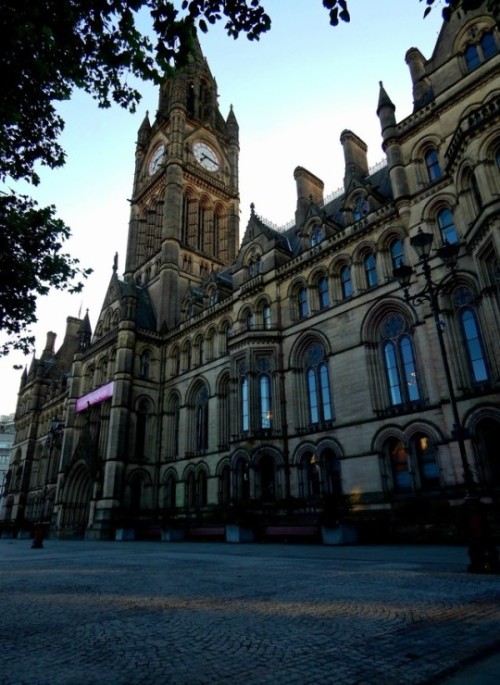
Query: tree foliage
{"points": [[48, 48]]}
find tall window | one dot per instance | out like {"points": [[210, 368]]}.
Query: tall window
{"points": [[472, 58], [432, 165], [266, 415], [323, 296], [399, 460], [266, 317], [370, 265], [201, 413], [471, 335], [144, 364], [316, 235], [318, 385], [345, 281], [447, 226], [140, 434], [488, 45], [245, 404], [360, 208], [302, 306], [426, 458], [397, 253], [399, 361], [173, 416]]}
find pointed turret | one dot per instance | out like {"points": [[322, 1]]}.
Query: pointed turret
{"points": [[144, 132], [85, 332], [233, 129], [386, 112]]}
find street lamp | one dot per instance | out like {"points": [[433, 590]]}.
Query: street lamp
{"points": [[448, 253], [54, 436]]}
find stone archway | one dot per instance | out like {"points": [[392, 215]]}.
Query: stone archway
{"points": [[75, 506]]}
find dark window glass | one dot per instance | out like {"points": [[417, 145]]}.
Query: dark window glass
{"points": [[370, 270], [472, 57], [265, 401], [488, 45], [324, 299], [245, 407], [345, 281], [432, 165], [302, 303], [447, 226], [397, 253], [473, 345]]}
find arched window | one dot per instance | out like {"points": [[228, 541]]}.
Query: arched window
{"points": [[432, 165], [472, 59], [309, 476], [471, 334], [345, 281], [318, 385], [265, 401], [225, 485], [191, 491], [447, 226], [267, 473], [302, 306], [398, 458], [399, 361], [316, 235], [360, 208], [241, 480], [330, 464], [323, 295], [201, 489], [201, 413], [144, 364], [173, 415], [370, 266], [176, 361], [488, 45], [473, 345], [266, 317], [141, 430], [245, 404], [476, 193], [397, 253], [170, 492], [425, 455]]}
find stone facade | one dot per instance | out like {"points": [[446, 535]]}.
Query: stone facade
{"points": [[285, 379]]}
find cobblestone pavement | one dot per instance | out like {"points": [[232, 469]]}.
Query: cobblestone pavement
{"points": [[87, 613]]}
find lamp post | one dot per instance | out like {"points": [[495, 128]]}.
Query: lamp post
{"points": [[54, 435], [448, 253]]}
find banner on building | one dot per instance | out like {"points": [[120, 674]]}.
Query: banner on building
{"points": [[96, 396]]}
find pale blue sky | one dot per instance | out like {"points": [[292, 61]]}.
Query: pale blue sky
{"points": [[293, 93]]}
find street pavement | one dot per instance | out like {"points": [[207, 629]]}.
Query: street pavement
{"points": [[137, 613]]}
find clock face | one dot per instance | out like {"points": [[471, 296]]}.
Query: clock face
{"points": [[206, 156], [156, 159]]}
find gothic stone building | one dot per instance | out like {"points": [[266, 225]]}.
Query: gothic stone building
{"points": [[286, 374]]}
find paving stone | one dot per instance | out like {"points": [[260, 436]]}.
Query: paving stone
{"points": [[85, 613]]}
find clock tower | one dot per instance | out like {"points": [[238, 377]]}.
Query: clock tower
{"points": [[184, 219]]}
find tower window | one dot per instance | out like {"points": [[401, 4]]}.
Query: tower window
{"points": [[303, 308], [432, 165], [488, 45], [447, 226], [370, 265], [345, 281], [472, 58]]}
